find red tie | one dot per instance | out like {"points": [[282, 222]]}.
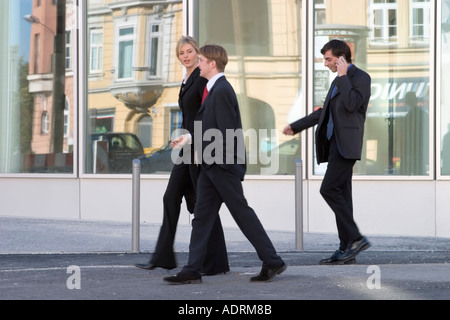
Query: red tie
{"points": [[205, 93]]}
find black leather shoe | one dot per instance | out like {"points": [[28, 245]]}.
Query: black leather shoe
{"points": [[183, 278], [268, 274], [333, 260], [354, 248]]}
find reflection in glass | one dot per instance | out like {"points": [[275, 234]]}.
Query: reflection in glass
{"points": [[263, 41], [135, 76], [396, 53], [36, 135], [133, 82], [445, 85]]}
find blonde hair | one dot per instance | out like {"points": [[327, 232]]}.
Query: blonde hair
{"points": [[186, 40]]}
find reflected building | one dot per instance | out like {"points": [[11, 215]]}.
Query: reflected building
{"points": [[51, 71]]}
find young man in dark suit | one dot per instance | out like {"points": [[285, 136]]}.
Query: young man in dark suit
{"points": [[221, 156], [183, 177], [339, 141]]}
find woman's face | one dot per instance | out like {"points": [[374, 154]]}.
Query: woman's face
{"points": [[188, 56]]}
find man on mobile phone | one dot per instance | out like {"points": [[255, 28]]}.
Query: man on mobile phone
{"points": [[339, 141]]}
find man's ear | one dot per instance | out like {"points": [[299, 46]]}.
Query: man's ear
{"points": [[213, 64]]}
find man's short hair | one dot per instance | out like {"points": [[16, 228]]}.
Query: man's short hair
{"points": [[216, 53], [338, 48]]}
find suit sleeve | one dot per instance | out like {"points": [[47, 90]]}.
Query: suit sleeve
{"points": [[306, 122], [226, 110]]}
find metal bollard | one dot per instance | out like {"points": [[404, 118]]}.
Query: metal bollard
{"points": [[136, 204], [298, 205]]}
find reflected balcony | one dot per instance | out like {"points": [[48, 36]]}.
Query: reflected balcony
{"points": [[138, 96]]}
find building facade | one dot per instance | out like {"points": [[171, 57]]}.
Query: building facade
{"points": [[90, 85]]}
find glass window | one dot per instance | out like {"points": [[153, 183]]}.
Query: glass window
{"points": [[383, 22], [444, 118], [126, 44], [155, 39], [397, 128], [134, 81], [319, 12], [263, 41], [68, 50], [45, 123], [34, 87], [96, 50], [420, 26], [138, 92]]}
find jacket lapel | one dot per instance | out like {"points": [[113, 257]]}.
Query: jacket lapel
{"points": [[189, 82], [202, 107], [350, 74]]}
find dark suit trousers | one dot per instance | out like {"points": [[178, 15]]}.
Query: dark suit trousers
{"points": [[215, 186], [336, 189], [180, 184]]}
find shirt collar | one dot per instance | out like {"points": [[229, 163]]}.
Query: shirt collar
{"points": [[213, 80]]}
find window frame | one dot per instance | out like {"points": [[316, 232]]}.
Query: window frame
{"points": [[420, 39], [120, 39], [385, 27], [100, 50]]}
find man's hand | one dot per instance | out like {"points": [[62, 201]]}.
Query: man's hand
{"points": [[179, 142], [288, 131], [342, 66]]}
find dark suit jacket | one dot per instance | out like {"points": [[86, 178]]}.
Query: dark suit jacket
{"points": [[348, 107], [224, 145], [189, 101], [190, 98]]}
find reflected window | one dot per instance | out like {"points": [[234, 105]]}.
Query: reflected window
{"points": [[384, 17], [420, 17], [66, 118], [68, 50], [155, 40], [126, 46], [96, 50], [45, 123], [320, 12]]}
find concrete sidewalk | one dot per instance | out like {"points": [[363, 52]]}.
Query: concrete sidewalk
{"points": [[40, 257], [25, 235]]}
